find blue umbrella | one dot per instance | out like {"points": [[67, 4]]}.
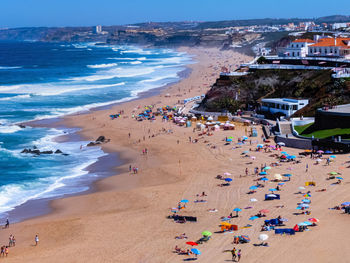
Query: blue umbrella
{"points": [[246, 152], [245, 138], [346, 203], [280, 183], [240, 143], [184, 201], [253, 187], [264, 179], [302, 224], [229, 140], [291, 157], [328, 152], [253, 218], [195, 251], [307, 223], [306, 200], [228, 179], [284, 153], [333, 156], [287, 175], [225, 219], [263, 173], [260, 146], [237, 209], [272, 189], [340, 178]]}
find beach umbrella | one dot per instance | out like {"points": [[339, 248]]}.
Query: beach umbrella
{"points": [[195, 251], [263, 237], [284, 219], [306, 201], [226, 219], [301, 188], [263, 173], [320, 151], [333, 156], [287, 175], [280, 183], [291, 157], [227, 174], [184, 201], [260, 146], [253, 200], [314, 220], [264, 179], [346, 204], [264, 211], [284, 157], [245, 138], [267, 168], [272, 189], [283, 152], [307, 223], [271, 195], [253, 218], [191, 243], [304, 205], [206, 233], [228, 179], [333, 173], [237, 209], [245, 238], [307, 195], [252, 157], [328, 152], [281, 143], [302, 224], [340, 178], [278, 177], [253, 187], [229, 140], [245, 152], [318, 160]]}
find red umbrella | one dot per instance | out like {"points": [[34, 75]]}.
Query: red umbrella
{"points": [[283, 157], [264, 211], [191, 243], [315, 220]]}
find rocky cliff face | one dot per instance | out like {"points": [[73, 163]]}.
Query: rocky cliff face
{"points": [[318, 86]]}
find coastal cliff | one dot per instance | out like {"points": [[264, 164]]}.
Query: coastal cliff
{"points": [[232, 92]]}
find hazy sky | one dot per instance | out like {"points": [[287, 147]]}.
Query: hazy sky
{"points": [[17, 13]]}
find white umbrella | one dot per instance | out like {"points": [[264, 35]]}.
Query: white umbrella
{"points": [[253, 200], [281, 143], [263, 237], [301, 188], [227, 174]]}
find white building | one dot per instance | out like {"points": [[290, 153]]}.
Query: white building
{"points": [[286, 106], [330, 47], [98, 29], [298, 48], [336, 26]]}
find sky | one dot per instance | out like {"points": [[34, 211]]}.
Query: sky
{"points": [[25, 13]]}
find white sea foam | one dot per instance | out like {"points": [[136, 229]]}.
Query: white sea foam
{"points": [[109, 65], [4, 67], [9, 128], [15, 97]]}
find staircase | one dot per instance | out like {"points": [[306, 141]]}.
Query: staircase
{"points": [[285, 128]]}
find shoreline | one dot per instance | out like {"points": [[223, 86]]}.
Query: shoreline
{"points": [[36, 208]]}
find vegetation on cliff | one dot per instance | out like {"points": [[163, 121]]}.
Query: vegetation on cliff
{"points": [[316, 85]]}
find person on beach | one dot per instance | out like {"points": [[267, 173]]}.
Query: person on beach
{"points": [[36, 239], [10, 240], [233, 251], [7, 225], [2, 251], [130, 168], [6, 251], [239, 254], [13, 241]]}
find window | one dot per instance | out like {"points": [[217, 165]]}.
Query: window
{"points": [[298, 54], [295, 107], [311, 50], [325, 50], [297, 45], [320, 50], [293, 54], [335, 51]]}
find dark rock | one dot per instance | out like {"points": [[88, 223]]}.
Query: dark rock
{"points": [[25, 151], [46, 152], [21, 126], [58, 151], [101, 139]]}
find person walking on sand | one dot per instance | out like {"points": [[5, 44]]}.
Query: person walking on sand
{"points": [[239, 254], [7, 225], [307, 167], [233, 251], [36, 240]]}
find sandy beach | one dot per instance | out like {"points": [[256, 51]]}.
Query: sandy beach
{"points": [[125, 219]]}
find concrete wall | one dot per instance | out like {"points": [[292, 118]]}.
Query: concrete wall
{"points": [[294, 143], [330, 120]]}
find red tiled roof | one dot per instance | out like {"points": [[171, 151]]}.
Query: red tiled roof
{"points": [[329, 42], [303, 40]]}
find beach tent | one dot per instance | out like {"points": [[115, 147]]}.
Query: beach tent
{"points": [[310, 183], [272, 197], [228, 227]]}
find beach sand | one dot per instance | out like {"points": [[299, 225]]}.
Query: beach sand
{"points": [[124, 220]]}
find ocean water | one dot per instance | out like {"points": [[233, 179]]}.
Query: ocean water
{"points": [[49, 80]]}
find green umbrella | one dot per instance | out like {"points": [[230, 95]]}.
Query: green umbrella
{"points": [[333, 173], [267, 168], [206, 233]]}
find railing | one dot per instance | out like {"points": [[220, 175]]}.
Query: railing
{"points": [[234, 73], [344, 60], [301, 67]]}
